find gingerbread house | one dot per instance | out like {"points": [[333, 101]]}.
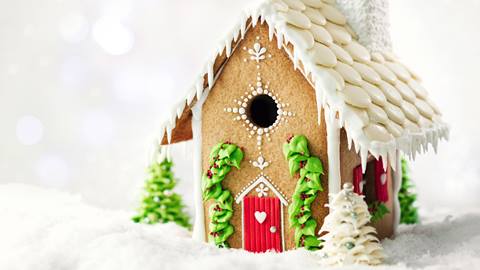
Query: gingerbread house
{"points": [[299, 89]]}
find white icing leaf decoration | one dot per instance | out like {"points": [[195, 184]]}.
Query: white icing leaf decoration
{"points": [[257, 53], [260, 163]]}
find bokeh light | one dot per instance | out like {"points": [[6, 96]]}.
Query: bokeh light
{"points": [[114, 37], [155, 85], [74, 72], [96, 128], [29, 130]]}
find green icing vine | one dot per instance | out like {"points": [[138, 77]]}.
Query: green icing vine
{"points": [[378, 210], [309, 169], [222, 158]]}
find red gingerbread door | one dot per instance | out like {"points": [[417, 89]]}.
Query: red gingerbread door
{"points": [[262, 230]]}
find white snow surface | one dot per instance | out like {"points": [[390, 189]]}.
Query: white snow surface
{"points": [[45, 229]]}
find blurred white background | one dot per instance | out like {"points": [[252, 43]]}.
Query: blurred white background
{"points": [[84, 85]]}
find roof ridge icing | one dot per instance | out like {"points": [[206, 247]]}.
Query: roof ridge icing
{"points": [[378, 100]]}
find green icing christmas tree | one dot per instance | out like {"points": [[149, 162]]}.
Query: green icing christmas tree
{"points": [[409, 212], [160, 204]]}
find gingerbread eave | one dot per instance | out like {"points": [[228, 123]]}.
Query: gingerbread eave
{"points": [[375, 98]]}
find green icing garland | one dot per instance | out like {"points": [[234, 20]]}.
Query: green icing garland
{"points": [[300, 215], [222, 158]]}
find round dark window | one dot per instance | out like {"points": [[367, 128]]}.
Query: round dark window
{"points": [[263, 111]]}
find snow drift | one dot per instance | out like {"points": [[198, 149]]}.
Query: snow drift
{"points": [[44, 229]]}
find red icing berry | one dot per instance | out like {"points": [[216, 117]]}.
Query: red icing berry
{"points": [[304, 196], [289, 138], [302, 164], [209, 174], [302, 241]]}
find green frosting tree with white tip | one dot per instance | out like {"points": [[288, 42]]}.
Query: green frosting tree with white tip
{"points": [[160, 204], [407, 198]]}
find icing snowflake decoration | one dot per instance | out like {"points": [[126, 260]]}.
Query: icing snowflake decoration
{"points": [[260, 163], [243, 105], [262, 190]]}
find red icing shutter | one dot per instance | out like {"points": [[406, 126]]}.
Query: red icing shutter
{"points": [[358, 180], [381, 185]]}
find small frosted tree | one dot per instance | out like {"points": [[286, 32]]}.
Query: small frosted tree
{"points": [[348, 238], [159, 203], [407, 198]]}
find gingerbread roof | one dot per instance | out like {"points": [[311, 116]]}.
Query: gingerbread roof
{"points": [[377, 99]]}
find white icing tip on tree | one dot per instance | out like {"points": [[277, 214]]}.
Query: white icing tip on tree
{"points": [[163, 153], [152, 152]]}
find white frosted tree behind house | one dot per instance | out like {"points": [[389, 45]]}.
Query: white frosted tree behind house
{"points": [[370, 20], [349, 240]]}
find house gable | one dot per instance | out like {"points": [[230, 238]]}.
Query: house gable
{"points": [[219, 124]]}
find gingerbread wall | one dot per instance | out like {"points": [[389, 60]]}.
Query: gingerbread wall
{"points": [[218, 125]]}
